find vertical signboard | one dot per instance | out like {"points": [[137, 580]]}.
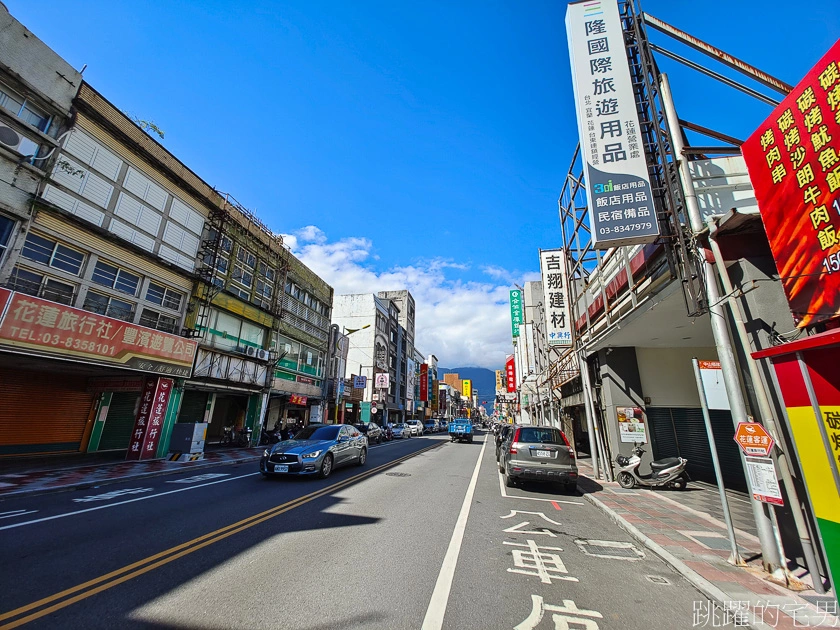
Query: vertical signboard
{"points": [[466, 388], [500, 381], [558, 324], [410, 378], [424, 382], [148, 422], [794, 167], [530, 349], [510, 374], [631, 424], [621, 210], [434, 396], [516, 316]]}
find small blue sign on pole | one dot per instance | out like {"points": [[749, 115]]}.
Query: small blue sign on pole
{"points": [[359, 382]]}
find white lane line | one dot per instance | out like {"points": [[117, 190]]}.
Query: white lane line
{"points": [[511, 496], [16, 513], [440, 596], [111, 505]]}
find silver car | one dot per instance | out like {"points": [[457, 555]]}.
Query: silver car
{"points": [[416, 427], [316, 450], [538, 453], [401, 431]]}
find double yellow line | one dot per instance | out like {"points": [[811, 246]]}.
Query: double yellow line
{"points": [[79, 592]]}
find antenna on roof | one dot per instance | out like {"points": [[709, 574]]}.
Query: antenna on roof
{"points": [[82, 71]]}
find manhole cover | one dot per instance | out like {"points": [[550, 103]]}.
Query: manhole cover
{"points": [[610, 549], [657, 579], [398, 474]]}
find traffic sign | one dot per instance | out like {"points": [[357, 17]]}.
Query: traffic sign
{"points": [[753, 439]]}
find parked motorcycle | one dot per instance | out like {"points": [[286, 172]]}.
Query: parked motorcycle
{"points": [[387, 433], [665, 472], [269, 437]]}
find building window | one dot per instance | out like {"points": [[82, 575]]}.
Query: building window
{"points": [[167, 298], [13, 102], [115, 278], [243, 276], [246, 258], [262, 296], [158, 321], [52, 254], [112, 307], [6, 226], [40, 285], [225, 244], [266, 272], [240, 292]]}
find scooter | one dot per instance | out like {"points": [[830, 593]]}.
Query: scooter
{"points": [[665, 472]]}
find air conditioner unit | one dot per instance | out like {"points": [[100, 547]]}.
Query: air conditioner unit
{"points": [[15, 141], [262, 355], [251, 351]]}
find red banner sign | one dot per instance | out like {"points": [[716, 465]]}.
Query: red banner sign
{"points": [[510, 374], [424, 382], [296, 399], [52, 328], [794, 166], [148, 423]]}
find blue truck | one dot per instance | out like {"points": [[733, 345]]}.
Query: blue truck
{"points": [[461, 429]]}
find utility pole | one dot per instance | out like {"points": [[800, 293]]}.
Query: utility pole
{"points": [[767, 536]]}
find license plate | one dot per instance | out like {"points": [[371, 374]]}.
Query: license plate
{"points": [[281, 468], [543, 453]]}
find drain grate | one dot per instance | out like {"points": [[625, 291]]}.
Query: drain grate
{"points": [[658, 579], [610, 549], [398, 474]]}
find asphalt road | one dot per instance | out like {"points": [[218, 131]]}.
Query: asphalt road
{"points": [[422, 536]]}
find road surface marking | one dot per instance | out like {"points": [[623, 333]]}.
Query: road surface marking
{"points": [[535, 560], [111, 505], [114, 494], [197, 478], [556, 507], [440, 596], [511, 496], [14, 513], [140, 567]]}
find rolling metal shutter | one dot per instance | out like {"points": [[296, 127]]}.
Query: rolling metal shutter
{"points": [[116, 433], [662, 432], [42, 412], [193, 406], [729, 453], [694, 442]]}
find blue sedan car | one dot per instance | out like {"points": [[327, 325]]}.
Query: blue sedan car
{"points": [[316, 450]]}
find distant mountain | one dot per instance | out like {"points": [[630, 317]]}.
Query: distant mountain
{"points": [[483, 380]]}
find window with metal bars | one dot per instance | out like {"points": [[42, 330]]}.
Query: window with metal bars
{"points": [[52, 253]]}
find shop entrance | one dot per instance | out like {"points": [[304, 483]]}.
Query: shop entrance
{"points": [[229, 411]]}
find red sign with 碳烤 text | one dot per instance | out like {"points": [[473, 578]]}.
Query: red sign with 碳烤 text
{"points": [[41, 326], [424, 382], [148, 424], [794, 164], [510, 374]]}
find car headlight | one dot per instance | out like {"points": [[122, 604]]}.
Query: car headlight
{"points": [[266, 452], [312, 455]]}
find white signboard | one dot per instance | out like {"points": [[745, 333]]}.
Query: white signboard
{"points": [[410, 380], [382, 380], [763, 480], [558, 321], [621, 210], [712, 376], [530, 348]]}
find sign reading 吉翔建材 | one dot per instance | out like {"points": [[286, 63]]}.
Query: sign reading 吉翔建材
{"points": [[794, 167], [43, 327], [558, 325], [621, 210]]}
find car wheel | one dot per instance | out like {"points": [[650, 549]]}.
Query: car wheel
{"points": [[501, 467], [362, 457], [625, 480], [326, 466], [509, 481]]}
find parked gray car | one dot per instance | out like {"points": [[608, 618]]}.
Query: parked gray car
{"points": [[316, 450], [538, 453], [401, 431]]}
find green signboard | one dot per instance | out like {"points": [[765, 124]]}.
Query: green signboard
{"points": [[516, 316]]}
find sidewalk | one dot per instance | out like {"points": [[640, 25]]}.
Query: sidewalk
{"points": [[30, 476], [696, 544]]}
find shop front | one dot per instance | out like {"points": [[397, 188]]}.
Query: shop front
{"points": [[72, 379]]}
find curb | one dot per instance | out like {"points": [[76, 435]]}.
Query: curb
{"points": [[82, 485], [697, 581]]}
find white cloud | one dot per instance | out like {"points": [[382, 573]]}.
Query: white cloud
{"points": [[462, 323]]}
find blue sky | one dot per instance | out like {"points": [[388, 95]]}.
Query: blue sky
{"points": [[418, 145]]}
